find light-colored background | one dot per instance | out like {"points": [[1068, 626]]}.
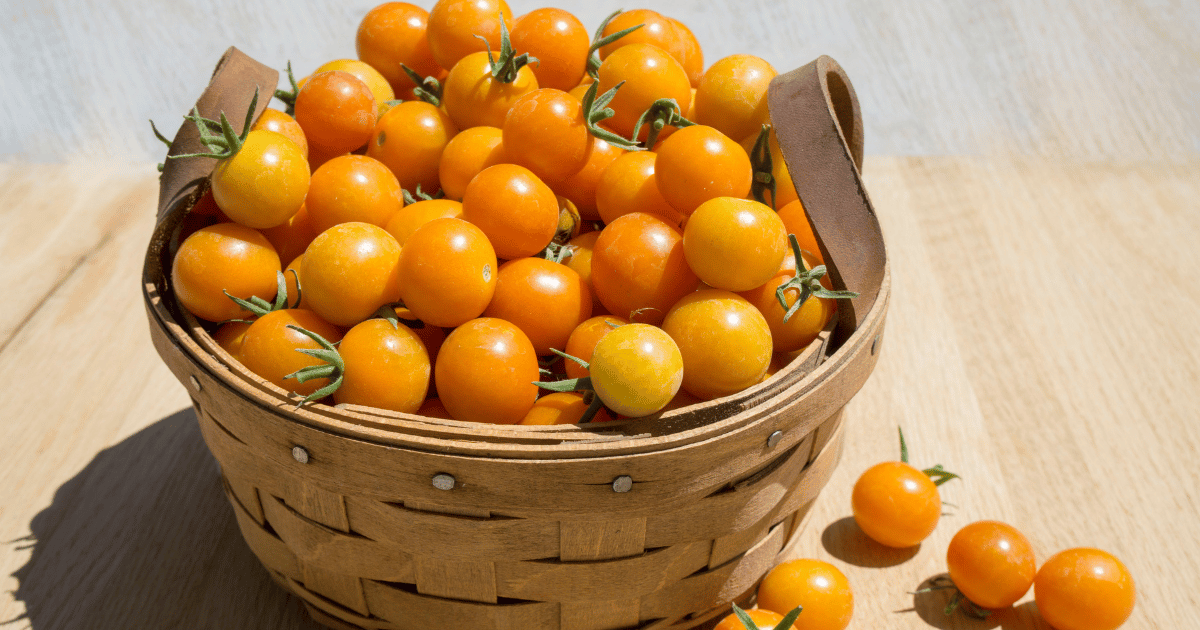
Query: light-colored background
{"points": [[1036, 169]]}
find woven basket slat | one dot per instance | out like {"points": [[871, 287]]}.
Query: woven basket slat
{"points": [[246, 493], [453, 536], [350, 555], [324, 618], [412, 611], [344, 590], [602, 540], [352, 619], [456, 578], [617, 579], [599, 615], [271, 551]]}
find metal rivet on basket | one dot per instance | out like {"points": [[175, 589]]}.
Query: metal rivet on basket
{"points": [[774, 438], [195, 383], [442, 481], [624, 483], [300, 453]]}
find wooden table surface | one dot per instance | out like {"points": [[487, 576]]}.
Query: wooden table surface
{"points": [[1037, 181]]}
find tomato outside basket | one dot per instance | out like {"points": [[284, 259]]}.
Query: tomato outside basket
{"points": [[381, 520]]}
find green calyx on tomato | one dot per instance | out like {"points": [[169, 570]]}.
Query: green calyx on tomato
{"points": [[261, 307], [420, 195], [957, 602], [936, 473], [334, 368], [583, 384], [288, 97], [662, 113], [428, 89], [225, 144], [763, 167], [506, 65], [599, 40], [808, 281], [596, 111], [161, 138], [783, 624]]}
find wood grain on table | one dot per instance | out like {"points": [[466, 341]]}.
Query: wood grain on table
{"points": [[1042, 340]]}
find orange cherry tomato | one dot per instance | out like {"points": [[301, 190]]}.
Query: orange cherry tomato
{"points": [[636, 369], [374, 80], [264, 183], [291, 275], [582, 342], [447, 272], [545, 299], [895, 504], [391, 34], [353, 188], [337, 112], [724, 340], [269, 348], [691, 56], [650, 74], [230, 336], [629, 185], [656, 29], [819, 587], [433, 408], [732, 95], [796, 222], [562, 408], [991, 563], [430, 335], [291, 237], [581, 187], [560, 43], [409, 218], [763, 620], [466, 155], [279, 122], [1084, 589], [386, 367], [226, 257], [455, 27], [410, 139], [805, 324], [486, 371], [734, 244], [473, 97], [545, 132], [349, 271], [581, 261], [639, 269], [517, 212], [699, 163]]}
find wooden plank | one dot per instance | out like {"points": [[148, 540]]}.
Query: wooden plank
{"points": [[469, 580], [408, 609], [625, 578], [600, 614], [602, 540]]}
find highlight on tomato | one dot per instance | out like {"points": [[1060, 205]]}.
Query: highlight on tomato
{"points": [[410, 140], [1084, 589], [636, 369], [337, 112], [546, 300], [222, 260], [639, 269], [991, 564], [349, 271], [447, 272], [818, 589], [392, 36], [486, 372], [514, 208], [896, 504], [725, 342], [352, 188], [699, 163]]}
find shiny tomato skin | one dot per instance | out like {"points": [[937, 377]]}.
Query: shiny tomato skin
{"points": [[353, 188], [391, 34], [291, 237], [819, 587], [264, 183], [269, 348], [486, 371], [628, 185], [466, 155], [991, 563], [804, 325], [349, 271], [690, 56], [410, 139], [455, 27], [545, 132], [639, 269], [582, 341], [734, 244], [219, 258], [636, 369], [699, 163], [795, 220], [447, 272], [560, 43], [656, 30], [337, 112], [732, 95], [561, 408], [411, 217], [545, 299], [374, 80], [650, 74], [1084, 589], [896, 505], [581, 261], [514, 208], [582, 186], [763, 620], [230, 336], [724, 340], [279, 122], [473, 98], [387, 367]]}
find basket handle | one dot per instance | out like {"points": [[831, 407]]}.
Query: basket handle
{"points": [[230, 91], [818, 122]]}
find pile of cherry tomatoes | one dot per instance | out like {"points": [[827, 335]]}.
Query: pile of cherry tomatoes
{"points": [[429, 228]]}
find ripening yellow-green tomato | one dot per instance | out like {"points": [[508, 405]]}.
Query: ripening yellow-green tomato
{"points": [[636, 369]]}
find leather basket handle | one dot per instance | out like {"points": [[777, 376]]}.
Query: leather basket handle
{"points": [[818, 122]]}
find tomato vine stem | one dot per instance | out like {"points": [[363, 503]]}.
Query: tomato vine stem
{"points": [[334, 367], [427, 89], [763, 166], [288, 97], [600, 40], [661, 113], [259, 306], [506, 65], [808, 281], [784, 624], [596, 111], [221, 145]]}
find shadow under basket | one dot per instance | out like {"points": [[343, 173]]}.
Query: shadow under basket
{"points": [[394, 521]]}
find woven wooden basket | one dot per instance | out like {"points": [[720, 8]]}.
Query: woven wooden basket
{"points": [[387, 520]]}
